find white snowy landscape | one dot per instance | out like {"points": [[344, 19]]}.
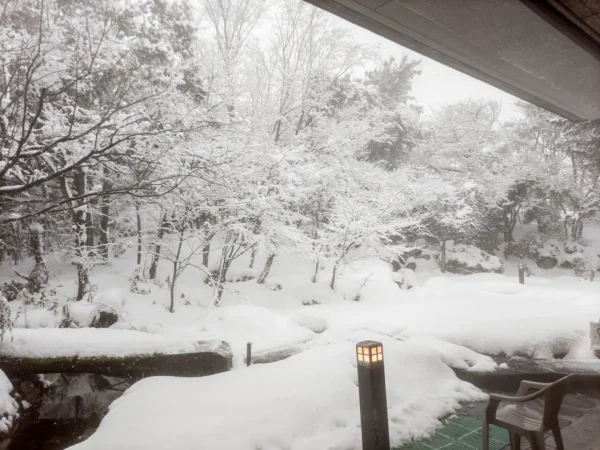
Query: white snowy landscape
{"points": [[176, 175]]}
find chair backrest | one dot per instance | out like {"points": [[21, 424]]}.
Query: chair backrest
{"points": [[553, 397]]}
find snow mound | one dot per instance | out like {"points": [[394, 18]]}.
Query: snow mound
{"points": [[369, 280], [456, 356], [311, 320], [466, 259], [495, 315], [306, 402], [266, 329]]}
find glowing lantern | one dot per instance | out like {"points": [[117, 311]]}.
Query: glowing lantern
{"points": [[369, 352]]}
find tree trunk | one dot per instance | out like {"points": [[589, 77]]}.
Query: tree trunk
{"points": [[139, 233], [443, 259], [577, 227], [510, 221], [223, 268], [79, 214], [314, 277], [83, 282], [104, 218], [36, 242], [221, 285], [176, 269], [333, 276], [89, 231], [38, 277], [172, 290], [277, 131], [206, 253], [220, 288], [16, 250], [83, 279], [255, 229], [507, 230], [265, 272], [157, 248]]}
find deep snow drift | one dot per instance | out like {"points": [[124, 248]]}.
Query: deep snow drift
{"points": [[309, 401]]}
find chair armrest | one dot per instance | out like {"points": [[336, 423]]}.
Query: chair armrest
{"points": [[541, 388], [527, 386], [518, 399]]}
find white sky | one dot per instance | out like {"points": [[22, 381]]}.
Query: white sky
{"points": [[438, 84]]}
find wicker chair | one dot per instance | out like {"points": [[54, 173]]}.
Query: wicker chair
{"points": [[521, 421]]}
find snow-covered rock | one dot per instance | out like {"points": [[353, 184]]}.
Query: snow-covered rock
{"points": [[466, 259], [9, 407], [312, 321]]}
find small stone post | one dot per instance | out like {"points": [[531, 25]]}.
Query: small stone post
{"points": [[521, 273], [248, 354]]}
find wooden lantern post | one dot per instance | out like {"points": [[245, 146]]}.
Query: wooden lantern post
{"points": [[372, 396]]}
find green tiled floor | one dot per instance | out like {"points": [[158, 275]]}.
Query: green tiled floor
{"points": [[461, 433]]}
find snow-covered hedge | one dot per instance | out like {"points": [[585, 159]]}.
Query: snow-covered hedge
{"points": [[553, 252], [466, 259]]}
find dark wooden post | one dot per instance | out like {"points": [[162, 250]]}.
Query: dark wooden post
{"points": [[248, 353], [372, 396], [521, 273]]}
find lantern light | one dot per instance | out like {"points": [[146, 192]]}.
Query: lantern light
{"points": [[369, 352]]}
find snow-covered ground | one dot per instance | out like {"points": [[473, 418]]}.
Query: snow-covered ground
{"points": [[310, 400], [488, 313]]}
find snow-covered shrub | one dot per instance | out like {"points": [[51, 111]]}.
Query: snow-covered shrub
{"points": [[527, 247], [233, 276], [12, 290], [550, 253], [413, 258], [405, 278], [466, 259], [242, 275], [5, 317], [275, 287], [137, 285]]}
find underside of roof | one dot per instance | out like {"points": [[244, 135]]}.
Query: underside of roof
{"points": [[546, 52]]}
